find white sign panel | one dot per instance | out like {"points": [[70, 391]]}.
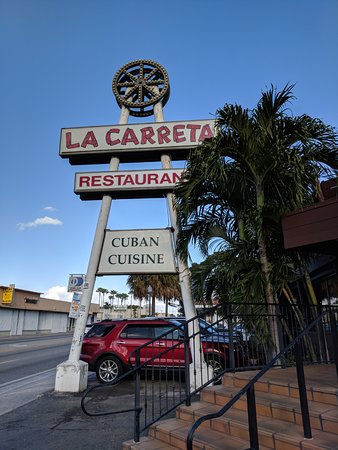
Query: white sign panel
{"points": [[98, 144], [137, 252], [75, 306], [121, 183], [76, 283]]}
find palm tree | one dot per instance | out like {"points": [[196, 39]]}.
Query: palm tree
{"points": [[261, 164], [118, 296], [123, 297], [112, 296], [102, 292], [170, 290], [163, 286], [131, 293]]}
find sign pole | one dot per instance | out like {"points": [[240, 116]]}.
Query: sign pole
{"points": [[72, 375], [198, 364], [141, 89]]}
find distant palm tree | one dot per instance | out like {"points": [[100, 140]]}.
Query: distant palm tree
{"points": [[123, 297], [102, 292], [112, 296], [131, 293], [118, 296], [163, 286]]}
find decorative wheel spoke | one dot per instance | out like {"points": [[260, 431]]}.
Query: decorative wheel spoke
{"points": [[126, 84], [151, 91], [129, 75], [141, 76], [139, 85], [140, 96], [130, 92], [151, 74]]}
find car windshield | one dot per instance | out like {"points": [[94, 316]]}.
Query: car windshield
{"points": [[205, 326], [99, 330]]}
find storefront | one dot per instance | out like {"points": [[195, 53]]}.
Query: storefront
{"points": [[26, 312]]}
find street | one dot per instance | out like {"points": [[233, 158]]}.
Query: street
{"points": [[27, 378], [22, 356], [33, 416]]}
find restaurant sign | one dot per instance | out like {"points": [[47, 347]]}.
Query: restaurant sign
{"points": [[133, 142], [137, 252], [126, 184]]}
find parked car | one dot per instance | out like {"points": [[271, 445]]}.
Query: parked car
{"points": [[243, 331], [212, 332], [109, 346], [88, 326]]}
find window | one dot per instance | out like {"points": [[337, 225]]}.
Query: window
{"points": [[137, 332], [172, 333], [100, 330]]}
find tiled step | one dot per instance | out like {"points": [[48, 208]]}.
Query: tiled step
{"points": [[278, 415], [172, 434], [273, 433], [175, 431], [146, 443], [323, 416], [275, 382]]}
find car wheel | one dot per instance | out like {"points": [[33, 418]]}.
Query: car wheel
{"points": [[108, 369], [215, 363]]}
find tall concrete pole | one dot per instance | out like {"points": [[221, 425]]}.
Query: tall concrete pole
{"points": [[72, 375], [198, 368]]}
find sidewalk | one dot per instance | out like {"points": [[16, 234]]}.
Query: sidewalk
{"points": [[55, 421]]}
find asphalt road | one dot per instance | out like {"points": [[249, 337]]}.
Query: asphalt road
{"points": [[22, 356], [33, 416]]}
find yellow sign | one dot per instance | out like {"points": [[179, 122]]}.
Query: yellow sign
{"points": [[7, 295]]}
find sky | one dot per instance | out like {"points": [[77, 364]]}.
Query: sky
{"points": [[58, 59]]}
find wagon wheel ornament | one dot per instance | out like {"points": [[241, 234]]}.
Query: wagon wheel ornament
{"points": [[140, 84]]}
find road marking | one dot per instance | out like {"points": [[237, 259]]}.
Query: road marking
{"points": [[9, 360], [19, 392], [26, 378]]}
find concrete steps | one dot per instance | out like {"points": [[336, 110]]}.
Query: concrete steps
{"points": [[278, 415]]}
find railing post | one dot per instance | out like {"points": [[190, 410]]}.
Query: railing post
{"points": [[231, 337], [280, 333], [187, 365], [302, 391], [137, 387], [333, 324], [322, 341], [252, 418]]}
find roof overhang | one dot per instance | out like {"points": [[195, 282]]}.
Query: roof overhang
{"points": [[314, 228]]}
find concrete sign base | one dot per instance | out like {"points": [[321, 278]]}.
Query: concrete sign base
{"points": [[71, 376]]}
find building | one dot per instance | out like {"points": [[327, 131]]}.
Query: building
{"points": [[26, 312], [314, 230]]}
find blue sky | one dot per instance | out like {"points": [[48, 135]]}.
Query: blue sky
{"points": [[58, 58]]}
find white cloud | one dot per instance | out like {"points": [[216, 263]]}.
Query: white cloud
{"points": [[49, 208], [58, 293], [95, 297], [37, 222]]}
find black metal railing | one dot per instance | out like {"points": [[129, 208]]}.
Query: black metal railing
{"points": [[173, 368], [296, 345]]}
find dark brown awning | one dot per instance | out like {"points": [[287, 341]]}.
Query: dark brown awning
{"points": [[314, 228]]}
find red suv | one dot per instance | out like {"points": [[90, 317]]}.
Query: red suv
{"points": [[108, 346]]}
